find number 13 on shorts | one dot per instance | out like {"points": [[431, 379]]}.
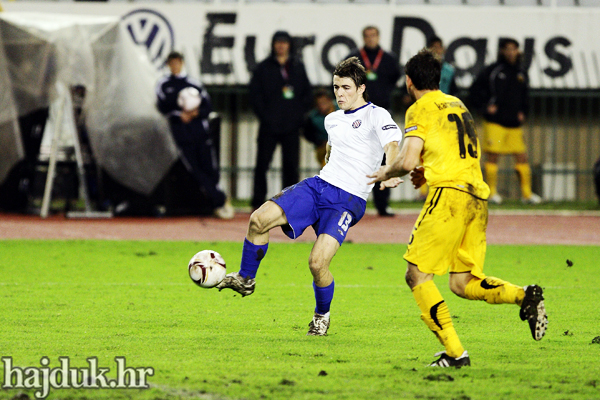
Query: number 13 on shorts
{"points": [[345, 221]]}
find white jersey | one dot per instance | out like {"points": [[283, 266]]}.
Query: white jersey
{"points": [[357, 138]]}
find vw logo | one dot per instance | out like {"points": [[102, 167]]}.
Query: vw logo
{"points": [[151, 30]]}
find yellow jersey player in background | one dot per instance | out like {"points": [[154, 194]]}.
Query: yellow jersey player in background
{"points": [[450, 232]]}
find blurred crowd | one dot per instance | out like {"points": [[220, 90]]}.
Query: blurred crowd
{"points": [[288, 107]]}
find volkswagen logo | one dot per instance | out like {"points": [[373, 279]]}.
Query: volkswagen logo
{"points": [[151, 30]]}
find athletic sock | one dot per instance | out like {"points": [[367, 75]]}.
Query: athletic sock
{"points": [[323, 297], [436, 315], [252, 254], [494, 291], [491, 177], [524, 172]]}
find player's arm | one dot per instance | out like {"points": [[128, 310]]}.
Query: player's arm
{"points": [[392, 149], [327, 152], [408, 159]]}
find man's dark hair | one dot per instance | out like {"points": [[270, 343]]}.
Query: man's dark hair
{"points": [[353, 69], [368, 28], [503, 44], [424, 70], [506, 41], [174, 55], [432, 40]]}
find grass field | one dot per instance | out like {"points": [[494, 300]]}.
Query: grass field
{"points": [[134, 299]]}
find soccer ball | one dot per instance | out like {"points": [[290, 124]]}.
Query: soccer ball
{"points": [[189, 98], [207, 268]]}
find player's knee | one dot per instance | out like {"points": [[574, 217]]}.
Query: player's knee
{"points": [[457, 287], [257, 223], [316, 264], [410, 279]]}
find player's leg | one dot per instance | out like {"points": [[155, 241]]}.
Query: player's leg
{"points": [[266, 144], [493, 145], [337, 212], [381, 198], [209, 175], [491, 176], [320, 258], [197, 160], [524, 172], [467, 279], [515, 144], [436, 315], [290, 153], [435, 237], [530, 298], [256, 244], [490, 289]]}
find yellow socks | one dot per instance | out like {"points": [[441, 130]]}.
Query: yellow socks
{"points": [[494, 291], [435, 313], [491, 177], [524, 172]]}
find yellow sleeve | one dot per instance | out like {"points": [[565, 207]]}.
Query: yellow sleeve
{"points": [[414, 124]]}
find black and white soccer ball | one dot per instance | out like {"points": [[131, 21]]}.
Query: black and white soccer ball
{"points": [[207, 268], [189, 98]]}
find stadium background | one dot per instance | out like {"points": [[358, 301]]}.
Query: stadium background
{"points": [[126, 292], [223, 39]]}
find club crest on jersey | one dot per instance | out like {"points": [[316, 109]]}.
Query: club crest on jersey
{"points": [[356, 123]]}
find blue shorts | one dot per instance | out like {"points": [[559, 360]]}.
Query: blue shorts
{"points": [[327, 208]]}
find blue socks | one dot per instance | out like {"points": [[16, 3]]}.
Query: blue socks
{"points": [[251, 256], [323, 296]]}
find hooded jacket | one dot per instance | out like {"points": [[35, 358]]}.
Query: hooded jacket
{"points": [[505, 85], [277, 114]]}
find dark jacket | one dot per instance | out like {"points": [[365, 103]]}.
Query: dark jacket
{"points": [[504, 85], [277, 114], [167, 91], [388, 73]]}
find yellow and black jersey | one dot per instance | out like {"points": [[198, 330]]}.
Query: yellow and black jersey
{"points": [[451, 152]]}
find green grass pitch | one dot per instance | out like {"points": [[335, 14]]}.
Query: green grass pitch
{"points": [[134, 299]]}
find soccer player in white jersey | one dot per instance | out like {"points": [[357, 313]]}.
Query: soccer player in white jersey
{"points": [[331, 202]]}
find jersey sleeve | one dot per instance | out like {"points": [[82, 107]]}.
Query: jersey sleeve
{"points": [[387, 130], [414, 122], [327, 124]]}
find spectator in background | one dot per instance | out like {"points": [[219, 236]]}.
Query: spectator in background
{"points": [[447, 81], [383, 71], [190, 131], [280, 94], [314, 125], [500, 92]]}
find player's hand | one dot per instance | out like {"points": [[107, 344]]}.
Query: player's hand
{"points": [[492, 109], [390, 183], [417, 177], [379, 176], [186, 117]]}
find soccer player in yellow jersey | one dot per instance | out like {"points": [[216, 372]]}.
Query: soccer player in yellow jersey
{"points": [[441, 148]]}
